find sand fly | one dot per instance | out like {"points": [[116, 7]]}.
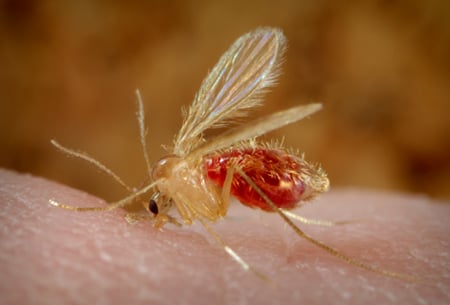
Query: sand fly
{"points": [[195, 180]]}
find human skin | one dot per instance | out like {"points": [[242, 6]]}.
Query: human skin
{"points": [[53, 256]]}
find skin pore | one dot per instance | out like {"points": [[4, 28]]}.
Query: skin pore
{"points": [[53, 256]]}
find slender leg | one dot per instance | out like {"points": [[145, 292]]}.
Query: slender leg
{"points": [[232, 253], [226, 189], [133, 218], [158, 221], [325, 247], [317, 222], [185, 210]]}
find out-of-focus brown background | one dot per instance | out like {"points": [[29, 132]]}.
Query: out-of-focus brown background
{"points": [[68, 70]]}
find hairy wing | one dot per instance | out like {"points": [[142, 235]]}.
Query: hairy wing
{"points": [[256, 128], [235, 84]]}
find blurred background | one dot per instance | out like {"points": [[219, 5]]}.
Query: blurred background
{"points": [[69, 69]]}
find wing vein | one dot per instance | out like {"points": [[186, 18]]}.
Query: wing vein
{"points": [[234, 85]]}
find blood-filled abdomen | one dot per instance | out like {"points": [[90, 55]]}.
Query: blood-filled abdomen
{"points": [[275, 172]]}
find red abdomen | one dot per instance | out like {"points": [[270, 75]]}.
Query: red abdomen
{"points": [[275, 172]]}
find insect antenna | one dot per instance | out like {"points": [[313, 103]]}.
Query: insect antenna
{"points": [[143, 131], [325, 247], [112, 206], [84, 156], [89, 159]]}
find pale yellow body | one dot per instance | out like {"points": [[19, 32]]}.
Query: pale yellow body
{"points": [[183, 183]]}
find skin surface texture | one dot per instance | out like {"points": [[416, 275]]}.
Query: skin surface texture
{"points": [[54, 256]]}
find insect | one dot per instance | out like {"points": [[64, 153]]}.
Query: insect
{"points": [[197, 178]]}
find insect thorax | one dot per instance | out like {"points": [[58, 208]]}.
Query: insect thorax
{"points": [[185, 184]]}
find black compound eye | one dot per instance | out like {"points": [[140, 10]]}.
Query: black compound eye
{"points": [[153, 207]]}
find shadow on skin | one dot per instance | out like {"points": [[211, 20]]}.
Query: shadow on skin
{"points": [[53, 256]]}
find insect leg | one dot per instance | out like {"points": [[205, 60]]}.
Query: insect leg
{"points": [[232, 253], [317, 222], [325, 247], [133, 218], [226, 188], [158, 221]]}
